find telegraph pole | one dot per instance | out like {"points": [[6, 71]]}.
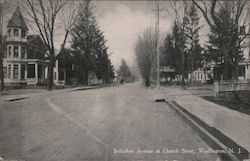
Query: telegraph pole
{"points": [[157, 22], [1, 45]]}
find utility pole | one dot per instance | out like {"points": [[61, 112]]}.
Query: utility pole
{"points": [[157, 23], [1, 45]]}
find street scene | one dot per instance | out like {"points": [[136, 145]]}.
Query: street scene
{"points": [[98, 124], [124, 80]]}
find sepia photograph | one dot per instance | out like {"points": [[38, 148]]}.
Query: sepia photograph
{"points": [[124, 80]]}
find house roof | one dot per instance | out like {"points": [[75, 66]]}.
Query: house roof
{"points": [[17, 20]]}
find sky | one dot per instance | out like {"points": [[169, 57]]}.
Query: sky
{"points": [[122, 22]]}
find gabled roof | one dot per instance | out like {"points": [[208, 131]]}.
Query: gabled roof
{"points": [[17, 20]]}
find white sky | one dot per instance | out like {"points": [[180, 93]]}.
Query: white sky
{"points": [[122, 22]]}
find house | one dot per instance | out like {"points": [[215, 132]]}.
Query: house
{"points": [[167, 74], [24, 58], [214, 71], [64, 69], [244, 66], [244, 69]]}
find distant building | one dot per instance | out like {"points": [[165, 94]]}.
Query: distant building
{"points": [[24, 59], [167, 74]]}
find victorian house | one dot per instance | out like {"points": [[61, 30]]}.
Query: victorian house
{"points": [[24, 60]]}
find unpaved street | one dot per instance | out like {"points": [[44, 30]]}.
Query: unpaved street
{"points": [[112, 123]]}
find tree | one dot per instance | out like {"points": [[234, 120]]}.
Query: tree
{"points": [[124, 71], [44, 14], [194, 50], [89, 46], [224, 19], [104, 69], [178, 38], [1, 47], [174, 50], [145, 54]]}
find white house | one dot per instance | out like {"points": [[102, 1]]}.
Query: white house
{"points": [[24, 60]]}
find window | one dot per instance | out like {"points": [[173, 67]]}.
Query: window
{"points": [[23, 52], [9, 52], [30, 54], [242, 71], [22, 71], [31, 70], [9, 72], [15, 71], [9, 32], [4, 72], [23, 34], [15, 51], [61, 75], [16, 32]]}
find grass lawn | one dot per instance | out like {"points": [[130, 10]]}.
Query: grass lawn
{"points": [[229, 100]]}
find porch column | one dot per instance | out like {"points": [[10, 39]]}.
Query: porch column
{"points": [[36, 72], [43, 72], [56, 72], [19, 71], [26, 71], [64, 77], [12, 71], [19, 51]]}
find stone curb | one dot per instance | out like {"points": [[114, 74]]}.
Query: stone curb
{"points": [[205, 134]]}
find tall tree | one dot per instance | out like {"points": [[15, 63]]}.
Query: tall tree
{"points": [[179, 38], [230, 15], [45, 15], [219, 38], [124, 70], [89, 46], [84, 34], [1, 47], [174, 50], [194, 50], [146, 55]]}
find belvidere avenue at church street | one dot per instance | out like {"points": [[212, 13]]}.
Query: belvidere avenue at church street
{"points": [[93, 80]]}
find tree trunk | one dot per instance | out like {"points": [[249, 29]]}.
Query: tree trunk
{"points": [[1, 72], [236, 69], [182, 68], [147, 82], [86, 77], [1, 64], [226, 66], [50, 81]]}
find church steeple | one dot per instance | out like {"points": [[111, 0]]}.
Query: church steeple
{"points": [[17, 20]]}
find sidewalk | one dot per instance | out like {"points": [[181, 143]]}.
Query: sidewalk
{"points": [[12, 95], [231, 123]]}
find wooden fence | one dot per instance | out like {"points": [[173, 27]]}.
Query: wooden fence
{"points": [[230, 86]]}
